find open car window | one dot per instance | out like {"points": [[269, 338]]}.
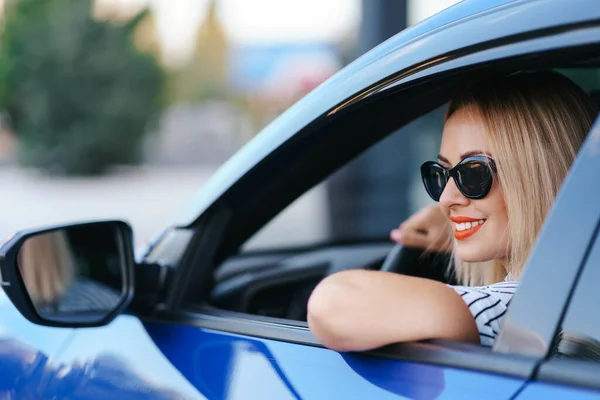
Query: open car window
{"points": [[314, 218], [341, 223], [320, 233], [392, 183], [350, 206]]}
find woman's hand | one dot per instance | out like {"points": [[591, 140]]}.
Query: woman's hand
{"points": [[428, 229]]}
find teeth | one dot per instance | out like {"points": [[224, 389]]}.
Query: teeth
{"points": [[468, 225]]}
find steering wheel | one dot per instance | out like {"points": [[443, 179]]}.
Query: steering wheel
{"points": [[417, 262], [400, 258]]}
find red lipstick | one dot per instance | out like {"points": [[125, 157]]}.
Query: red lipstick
{"points": [[469, 231]]}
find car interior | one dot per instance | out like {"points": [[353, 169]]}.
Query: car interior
{"points": [[276, 280]]}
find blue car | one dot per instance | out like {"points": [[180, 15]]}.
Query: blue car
{"points": [[199, 315]]}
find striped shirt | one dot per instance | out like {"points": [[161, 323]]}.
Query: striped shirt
{"points": [[488, 304]]}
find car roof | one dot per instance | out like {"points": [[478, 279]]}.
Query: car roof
{"points": [[443, 33], [460, 10]]}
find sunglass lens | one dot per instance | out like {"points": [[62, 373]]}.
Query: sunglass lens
{"points": [[474, 179], [434, 180]]}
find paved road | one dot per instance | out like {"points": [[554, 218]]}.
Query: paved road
{"points": [[147, 197]]}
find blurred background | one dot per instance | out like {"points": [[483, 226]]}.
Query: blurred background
{"points": [[124, 108]]}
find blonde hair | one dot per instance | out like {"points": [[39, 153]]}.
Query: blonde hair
{"points": [[535, 124]]}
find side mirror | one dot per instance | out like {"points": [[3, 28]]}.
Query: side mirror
{"points": [[78, 275]]}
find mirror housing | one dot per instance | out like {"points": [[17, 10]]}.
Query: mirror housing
{"points": [[76, 275]]}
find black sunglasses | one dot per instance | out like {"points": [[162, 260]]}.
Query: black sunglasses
{"points": [[473, 176]]}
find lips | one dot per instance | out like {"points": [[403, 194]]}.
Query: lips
{"points": [[466, 226]]}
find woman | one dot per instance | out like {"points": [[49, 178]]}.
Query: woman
{"points": [[507, 144]]}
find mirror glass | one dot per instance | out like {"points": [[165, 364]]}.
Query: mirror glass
{"points": [[74, 274]]}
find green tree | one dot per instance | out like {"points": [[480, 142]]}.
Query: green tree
{"points": [[80, 95]]}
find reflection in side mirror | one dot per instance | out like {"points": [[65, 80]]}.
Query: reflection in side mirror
{"points": [[77, 275], [73, 272]]}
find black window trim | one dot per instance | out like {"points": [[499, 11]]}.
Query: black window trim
{"points": [[559, 38]]}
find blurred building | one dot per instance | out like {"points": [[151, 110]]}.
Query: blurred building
{"points": [[146, 36], [270, 77], [369, 197], [248, 84], [204, 75], [203, 123]]}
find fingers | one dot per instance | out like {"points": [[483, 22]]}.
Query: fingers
{"points": [[396, 236], [410, 238], [424, 229], [424, 220], [417, 221]]}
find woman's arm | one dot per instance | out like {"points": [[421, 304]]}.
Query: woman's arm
{"points": [[360, 310]]}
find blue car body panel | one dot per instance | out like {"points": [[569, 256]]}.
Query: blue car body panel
{"points": [[223, 365], [128, 359], [118, 361], [13, 325]]}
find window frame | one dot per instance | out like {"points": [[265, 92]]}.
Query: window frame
{"points": [[548, 263], [571, 371]]}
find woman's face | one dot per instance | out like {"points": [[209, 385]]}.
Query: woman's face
{"points": [[464, 136]]}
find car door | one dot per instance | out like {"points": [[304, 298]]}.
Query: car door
{"points": [[238, 366], [572, 367], [259, 356]]}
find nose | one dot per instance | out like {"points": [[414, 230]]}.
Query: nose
{"points": [[452, 197]]}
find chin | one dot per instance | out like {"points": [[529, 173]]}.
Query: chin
{"points": [[472, 253]]}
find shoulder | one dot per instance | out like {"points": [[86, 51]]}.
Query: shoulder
{"points": [[502, 291], [488, 305]]}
